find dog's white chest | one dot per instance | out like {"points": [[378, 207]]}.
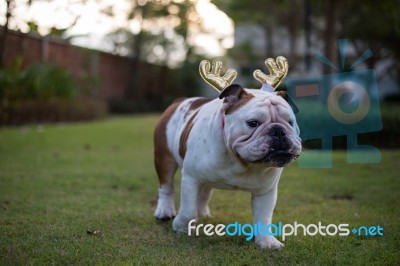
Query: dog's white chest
{"points": [[248, 181]]}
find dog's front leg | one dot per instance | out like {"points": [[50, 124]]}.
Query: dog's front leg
{"points": [[189, 199], [263, 208]]}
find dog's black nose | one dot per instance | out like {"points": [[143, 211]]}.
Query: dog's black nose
{"points": [[277, 133]]}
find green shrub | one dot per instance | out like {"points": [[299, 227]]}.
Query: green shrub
{"points": [[39, 81], [44, 93]]}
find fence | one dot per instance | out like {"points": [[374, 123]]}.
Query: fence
{"points": [[111, 71]]}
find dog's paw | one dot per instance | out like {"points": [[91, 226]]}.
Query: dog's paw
{"points": [[180, 225], [269, 242], [165, 210]]}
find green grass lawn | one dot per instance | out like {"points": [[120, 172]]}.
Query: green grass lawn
{"points": [[58, 182]]}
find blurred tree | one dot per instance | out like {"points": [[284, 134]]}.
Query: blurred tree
{"points": [[375, 25], [159, 27], [32, 26], [367, 24], [271, 16]]}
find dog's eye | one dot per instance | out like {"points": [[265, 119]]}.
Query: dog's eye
{"points": [[291, 122], [253, 123]]}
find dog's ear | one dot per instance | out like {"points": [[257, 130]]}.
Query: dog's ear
{"points": [[283, 94], [234, 96], [232, 90]]}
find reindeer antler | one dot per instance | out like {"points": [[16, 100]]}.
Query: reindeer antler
{"points": [[212, 74], [277, 71]]}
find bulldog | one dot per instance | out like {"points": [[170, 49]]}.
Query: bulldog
{"points": [[240, 140]]}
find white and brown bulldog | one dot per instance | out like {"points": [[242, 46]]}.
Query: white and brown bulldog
{"points": [[241, 140]]}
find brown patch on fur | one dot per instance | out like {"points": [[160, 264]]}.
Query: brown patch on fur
{"points": [[163, 159], [185, 136], [237, 105], [196, 104]]}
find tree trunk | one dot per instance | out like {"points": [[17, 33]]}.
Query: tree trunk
{"points": [[331, 34], [134, 82], [307, 33], [4, 35]]}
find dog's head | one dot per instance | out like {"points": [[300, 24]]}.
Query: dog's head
{"points": [[260, 127]]}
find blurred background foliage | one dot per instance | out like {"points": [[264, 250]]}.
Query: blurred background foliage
{"points": [[173, 36], [367, 24], [44, 93], [39, 81]]}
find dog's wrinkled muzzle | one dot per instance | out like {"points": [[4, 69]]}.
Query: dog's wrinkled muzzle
{"points": [[272, 144]]}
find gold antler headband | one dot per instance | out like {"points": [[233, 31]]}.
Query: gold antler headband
{"points": [[277, 72], [211, 73]]}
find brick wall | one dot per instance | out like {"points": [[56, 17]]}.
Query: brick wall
{"points": [[111, 71]]}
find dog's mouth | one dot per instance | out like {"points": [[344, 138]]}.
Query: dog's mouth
{"points": [[278, 158]]}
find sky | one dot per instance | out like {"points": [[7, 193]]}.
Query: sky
{"points": [[95, 25]]}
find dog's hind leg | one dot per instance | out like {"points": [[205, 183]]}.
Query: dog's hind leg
{"points": [[165, 204], [166, 167]]}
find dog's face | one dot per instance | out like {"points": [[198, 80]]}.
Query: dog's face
{"points": [[260, 127]]}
